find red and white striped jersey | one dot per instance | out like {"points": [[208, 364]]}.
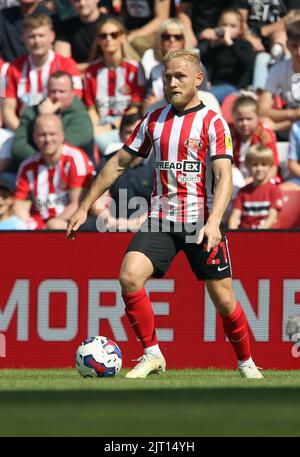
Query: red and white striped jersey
{"points": [[48, 187], [28, 84], [184, 146], [255, 203], [112, 90]]}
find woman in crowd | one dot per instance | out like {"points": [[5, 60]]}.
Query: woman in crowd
{"points": [[170, 37], [113, 82]]}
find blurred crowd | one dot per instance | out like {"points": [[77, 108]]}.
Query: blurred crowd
{"points": [[77, 76]]}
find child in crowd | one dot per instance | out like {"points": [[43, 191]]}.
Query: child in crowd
{"points": [[247, 130], [229, 60], [258, 203], [8, 221]]}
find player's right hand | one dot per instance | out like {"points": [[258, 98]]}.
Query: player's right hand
{"points": [[78, 218]]}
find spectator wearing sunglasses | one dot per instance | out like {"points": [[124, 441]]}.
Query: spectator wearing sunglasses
{"points": [[170, 37], [113, 82]]}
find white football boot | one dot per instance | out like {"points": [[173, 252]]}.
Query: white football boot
{"points": [[147, 364], [250, 372]]}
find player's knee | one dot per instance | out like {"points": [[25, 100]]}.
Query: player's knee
{"points": [[129, 280], [226, 306], [225, 302]]}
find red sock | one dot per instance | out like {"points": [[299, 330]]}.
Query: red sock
{"points": [[236, 329], [140, 314]]}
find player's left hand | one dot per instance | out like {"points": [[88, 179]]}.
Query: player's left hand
{"points": [[78, 218], [210, 231]]}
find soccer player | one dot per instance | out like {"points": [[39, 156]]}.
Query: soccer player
{"points": [[193, 184]]}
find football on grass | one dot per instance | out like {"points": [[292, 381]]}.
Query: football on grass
{"points": [[98, 356]]}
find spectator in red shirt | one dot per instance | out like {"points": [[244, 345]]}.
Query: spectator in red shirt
{"points": [[248, 130], [50, 183], [27, 76], [113, 82], [258, 203]]}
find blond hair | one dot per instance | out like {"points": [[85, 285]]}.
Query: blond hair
{"points": [[33, 22], [190, 56], [158, 49], [127, 50], [259, 154]]}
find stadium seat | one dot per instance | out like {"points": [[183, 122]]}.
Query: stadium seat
{"points": [[226, 107], [289, 216]]}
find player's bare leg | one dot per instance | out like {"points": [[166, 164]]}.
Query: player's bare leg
{"points": [[135, 270], [235, 324]]}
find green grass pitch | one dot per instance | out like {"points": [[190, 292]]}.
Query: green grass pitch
{"points": [[179, 403]]}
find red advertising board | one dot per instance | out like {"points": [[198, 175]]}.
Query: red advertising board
{"points": [[55, 292]]}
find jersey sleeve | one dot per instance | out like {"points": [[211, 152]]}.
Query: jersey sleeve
{"points": [[89, 93], [81, 171], [139, 141], [22, 185], [219, 137], [11, 83], [71, 68]]}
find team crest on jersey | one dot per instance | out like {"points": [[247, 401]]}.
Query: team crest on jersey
{"points": [[125, 89], [193, 143]]}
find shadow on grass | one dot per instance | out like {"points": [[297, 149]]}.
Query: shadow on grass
{"points": [[182, 412]]}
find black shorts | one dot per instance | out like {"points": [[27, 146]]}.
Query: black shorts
{"points": [[162, 243]]}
